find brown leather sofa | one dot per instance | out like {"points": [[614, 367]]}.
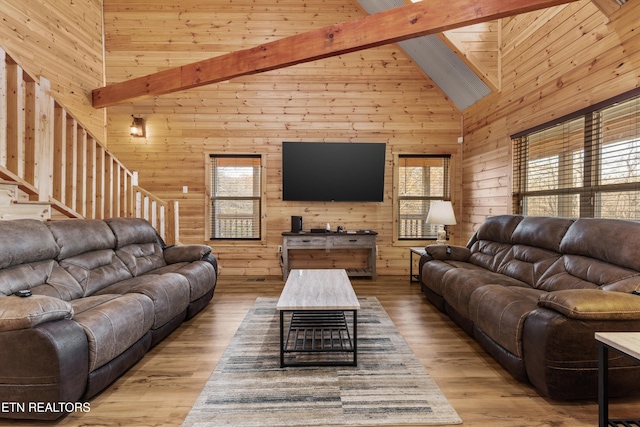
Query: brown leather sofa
{"points": [[534, 290], [102, 294]]}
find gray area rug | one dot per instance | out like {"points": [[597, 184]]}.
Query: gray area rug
{"points": [[388, 387]]}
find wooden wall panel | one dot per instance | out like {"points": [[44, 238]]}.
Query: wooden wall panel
{"points": [[61, 41], [554, 63], [479, 44], [377, 95]]}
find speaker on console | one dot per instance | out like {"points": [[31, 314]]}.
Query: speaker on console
{"points": [[296, 224]]}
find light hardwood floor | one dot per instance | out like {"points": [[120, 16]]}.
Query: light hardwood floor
{"points": [[160, 390]]}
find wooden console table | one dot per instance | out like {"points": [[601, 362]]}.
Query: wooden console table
{"points": [[331, 241]]}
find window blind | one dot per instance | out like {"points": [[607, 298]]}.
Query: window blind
{"points": [[618, 186], [585, 166], [235, 197], [422, 179]]}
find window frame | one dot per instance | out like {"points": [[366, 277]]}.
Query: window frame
{"points": [[591, 189], [209, 198], [446, 196]]}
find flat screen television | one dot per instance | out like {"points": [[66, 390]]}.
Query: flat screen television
{"points": [[333, 171]]}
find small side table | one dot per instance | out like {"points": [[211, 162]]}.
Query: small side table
{"points": [[627, 344], [418, 251]]}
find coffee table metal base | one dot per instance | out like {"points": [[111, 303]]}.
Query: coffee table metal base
{"points": [[321, 332]]}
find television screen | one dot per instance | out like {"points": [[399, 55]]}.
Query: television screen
{"points": [[333, 171]]}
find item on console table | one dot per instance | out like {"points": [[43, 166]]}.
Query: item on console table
{"points": [[296, 224]]}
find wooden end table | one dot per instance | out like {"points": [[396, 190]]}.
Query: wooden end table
{"points": [[418, 251], [627, 344]]}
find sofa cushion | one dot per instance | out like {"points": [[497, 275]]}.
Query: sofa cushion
{"points": [[615, 242], [498, 228], [579, 272], [533, 251], [169, 293], [140, 258], [128, 231], [201, 276], [96, 270], [25, 241], [83, 304], [460, 283], [80, 236], [42, 278], [434, 270], [491, 242], [137, 244], [112, 325], [527, 263], [541, 232], [500, 312], [488, 255]]}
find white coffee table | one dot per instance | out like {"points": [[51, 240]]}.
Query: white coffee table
{"points": [[316, 306]]}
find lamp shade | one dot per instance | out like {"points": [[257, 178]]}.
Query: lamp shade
{"points": [[441, 213]]}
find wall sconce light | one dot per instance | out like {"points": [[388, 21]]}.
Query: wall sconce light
{"points": [[137, 126]]}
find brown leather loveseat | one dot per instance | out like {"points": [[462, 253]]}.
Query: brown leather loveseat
{"points": [[534, 290], [100, 294]]}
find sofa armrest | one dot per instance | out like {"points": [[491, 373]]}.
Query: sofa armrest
{"points": [[593, 304], [448, 252], [48, 363], [24, 313], [186, 253]]}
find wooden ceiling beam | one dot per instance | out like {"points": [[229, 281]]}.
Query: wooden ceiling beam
{"points": [[607, 7], [390, 26]]}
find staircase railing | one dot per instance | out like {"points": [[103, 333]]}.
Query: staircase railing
{"points": [[161, 214], [54, 159]]}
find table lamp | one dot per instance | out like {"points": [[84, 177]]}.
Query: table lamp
{"points": [[441, 213]]}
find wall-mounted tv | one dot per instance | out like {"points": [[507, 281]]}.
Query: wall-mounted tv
{"points": [[333, 171]]}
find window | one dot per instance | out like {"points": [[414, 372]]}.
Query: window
{"points": [[587, 165], [422, 179], [236, 197]]}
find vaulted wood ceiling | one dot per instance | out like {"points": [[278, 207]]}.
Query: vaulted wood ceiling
{"points": [[479, 45], [461, 26]]}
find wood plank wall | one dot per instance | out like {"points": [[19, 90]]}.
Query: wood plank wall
{"points": [[377, 95], [479, 45], [61, 41], [553, 63]]}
